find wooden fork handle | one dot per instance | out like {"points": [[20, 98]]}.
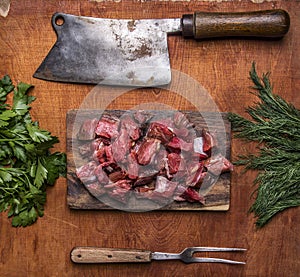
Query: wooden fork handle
{"points": [[109, 255]]}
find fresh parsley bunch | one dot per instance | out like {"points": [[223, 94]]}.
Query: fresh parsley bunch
{"points": [[26, 164], [275, 127]]}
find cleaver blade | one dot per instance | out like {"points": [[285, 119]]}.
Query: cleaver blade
{"points": [[130, 52], [109, 51]]}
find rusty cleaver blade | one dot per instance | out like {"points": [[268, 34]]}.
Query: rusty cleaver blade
{"points": [[135, 52]]}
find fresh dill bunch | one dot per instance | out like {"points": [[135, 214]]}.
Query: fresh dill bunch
{"points": [[274, 125]]}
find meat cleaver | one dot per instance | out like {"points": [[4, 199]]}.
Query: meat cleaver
{"points": [[135, 52]]}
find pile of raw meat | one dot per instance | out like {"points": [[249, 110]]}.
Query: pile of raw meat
{"points": [[155, 158]]}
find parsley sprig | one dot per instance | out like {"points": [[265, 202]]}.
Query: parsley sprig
{"points": [[274, 126], [26, 164]]}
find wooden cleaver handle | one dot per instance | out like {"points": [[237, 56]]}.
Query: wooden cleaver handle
{"points": [[109, 255], [268, 24]]}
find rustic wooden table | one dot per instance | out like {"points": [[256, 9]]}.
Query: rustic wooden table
{"points": [[222, 67]]}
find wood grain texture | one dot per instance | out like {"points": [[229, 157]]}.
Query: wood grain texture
{"points": [[268, 24], [222, 67], [109, 255]]}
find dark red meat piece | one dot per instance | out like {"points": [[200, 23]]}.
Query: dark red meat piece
{"points": [[164, 189], [141, 116], [191, 195], [86, 172], [189, 165], [148, 171], [85, 150], [160, 159], [218, 164], [136, 145], [132, 166], [143, 181], [155, 165], [125, 184], [119, 190], [182, 172], [117, 175], [87, 129], [101, 175], [209, 140], [196, 179], [183, 128], [183, 133], [95, 143], [131, 126], [144, 192], [89, 148], [107, 127], [99, 153], [160, 131], [121, 146], [163, 185], [109, 153], [177, 144], [173, 162], [181, 121], [108, 159], [147, 150], [174, 144], [95, 146], [198, 148], [165, 121]]}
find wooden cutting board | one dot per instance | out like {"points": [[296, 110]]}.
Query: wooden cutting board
{"points": [[78, 197]]}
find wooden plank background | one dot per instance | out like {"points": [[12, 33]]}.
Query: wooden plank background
{"points": [[222, 67]]}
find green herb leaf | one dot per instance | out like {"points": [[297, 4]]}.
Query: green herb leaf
{"points": [[5, 88], [5, 116], [19, 153], [26, 164], [55, 165], [274, 125], [37, 134], [5, 176], [40, 174]]}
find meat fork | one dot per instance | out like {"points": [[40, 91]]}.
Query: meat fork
{"points": [[115, 255]]}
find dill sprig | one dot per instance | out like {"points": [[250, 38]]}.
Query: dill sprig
{"points": [[274, 125]]}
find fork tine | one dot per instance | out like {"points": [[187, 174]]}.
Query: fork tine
{"points": [[213, 260], [214, 249], [187, 255]]}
